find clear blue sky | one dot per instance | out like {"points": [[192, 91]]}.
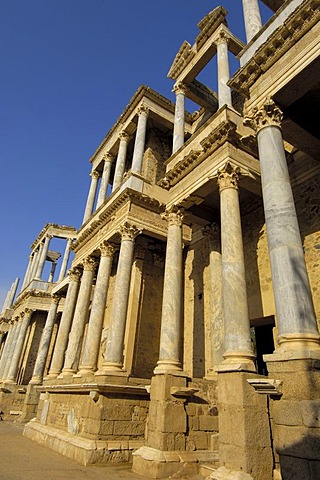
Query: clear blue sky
{"points": [[68, 68]]}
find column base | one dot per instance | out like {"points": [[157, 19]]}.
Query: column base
{"points": [[84, 371], [67, 373], [296, 347], [36, 380], [169, 367], [237, 362]]}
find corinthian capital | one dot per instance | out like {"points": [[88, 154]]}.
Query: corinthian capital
{"points": [[143, 110], [124, 136], [74, 274], [173, 215], [129, 232], [108, 157], [228, 177], [89, 264], [212, 232], [222, 38], [106, 249], [180, 87], [94, 174], [266, 116]]}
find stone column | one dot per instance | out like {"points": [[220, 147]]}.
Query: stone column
{"points": [[170, 336], [65, 323], [108, 159], [296, 322], [93, 337], [121, 160], [12, 346], [35, 263], [252, 18], [65, 259], [91, 196], [79, 319], [139, 144], [43, 350], [27, 274], [43, 257], [14, 365], [216, 307], [113, 354], [238, 350], [179, 116], [224, 91], [6, 349]]}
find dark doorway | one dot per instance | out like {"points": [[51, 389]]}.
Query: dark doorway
{"points": [[263, 339]]}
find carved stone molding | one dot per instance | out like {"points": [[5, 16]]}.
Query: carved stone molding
{"points": [[74, 274], [266, 116], [27, 312], [108, 157], [129, 232], [180, 87], [124, 136], [143, 110], [94, 174], [173, 215], [228, 177], [106, 249], [222, 38], [89, 264]]}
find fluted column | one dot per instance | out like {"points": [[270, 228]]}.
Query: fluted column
{"points": [[65, 259], [108, 159], [238, 349], [224, 91], [43, 257], [44, 345], [140, 139], [252, 18], [93, 337], [121, 160], [91, 196], [6, 349], [296, 321], [113, 354], [13, 369], [79, 319], [212, 232], [179, 116], [170, 336], [65, 323]]}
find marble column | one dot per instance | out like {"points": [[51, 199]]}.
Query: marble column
{"points": [[224, 91], [27, 274], [113, 353], [108, 159], [93, 337], [65, 323], [14, 365], [12, 346], [37, 375], [238, 353], [72, 357], [140, 139], [179, 116], [43, 257], [6, 348], [252, 18], [35, 262], [91, 196], [212, 232], [296, 321], [65, 259], [121, 160], [170, 336]]}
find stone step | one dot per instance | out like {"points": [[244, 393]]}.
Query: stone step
{"points": [[207, 468]]}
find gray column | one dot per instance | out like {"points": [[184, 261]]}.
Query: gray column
{"points": [[79, 319], [224, 91], [139, 144], [43, 257], [296, 321], [179, 116], [238, 350], [252, 18], [91, 196], [6, 349], [37, 375], [108, 159], [216, 307], [121, 160], [64, 263], [13, 369], [93, 337], [27, 274], [65, 323], [12, 346], [170, 336], [11, 294], [113, 354], [35, 262]]}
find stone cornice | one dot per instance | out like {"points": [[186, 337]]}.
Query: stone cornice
{"points": [[24, 296], [279, 42], [225, 132], [108, 213], [46, 229]]}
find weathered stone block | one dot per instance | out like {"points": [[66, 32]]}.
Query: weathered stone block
{"points": [[208, 422], [128, 428]]}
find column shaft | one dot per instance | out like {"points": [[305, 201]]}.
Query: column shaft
{"points": [[105, 179], [27, 274], [93, 337], [224, 91], [252, 18], [6, 349], [121, 160], [179, 117], [79, 319], [43, 350], [13, 369], [139, 144], [43, 257], [65, 323], [64, 263], [169, 356], [91, 196], [113, 354], [238, 349], [11, 349]]}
